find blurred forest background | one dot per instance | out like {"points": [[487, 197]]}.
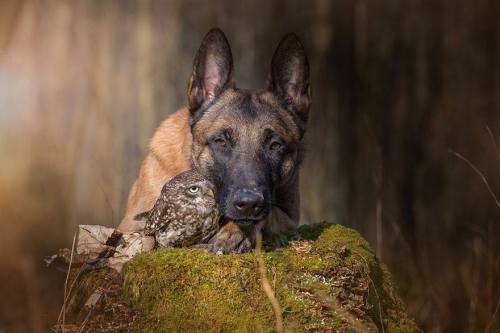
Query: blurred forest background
{"points": [[396, 85]]}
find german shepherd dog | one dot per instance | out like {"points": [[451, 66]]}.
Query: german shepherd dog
{"points": [[249, 142]]}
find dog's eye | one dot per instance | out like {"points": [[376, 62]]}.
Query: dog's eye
{"points": [[275, 146], [194, 189], [221, 142]]}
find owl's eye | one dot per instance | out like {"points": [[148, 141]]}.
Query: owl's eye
{"points": [[194, 189]]}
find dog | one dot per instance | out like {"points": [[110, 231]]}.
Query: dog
{"points": [[249, 142]]}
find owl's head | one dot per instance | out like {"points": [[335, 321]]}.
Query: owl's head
{"points": [[189, 190], [192, 185]]}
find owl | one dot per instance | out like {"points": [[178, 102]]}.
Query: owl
{"points": [[185, 214]]}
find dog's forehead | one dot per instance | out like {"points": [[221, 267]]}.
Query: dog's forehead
{"points": [[250, 111]]}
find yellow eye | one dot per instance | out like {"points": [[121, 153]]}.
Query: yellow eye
{"points": [[194, 189]]}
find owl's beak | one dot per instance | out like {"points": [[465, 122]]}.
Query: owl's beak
{"points": [[210, 193]]}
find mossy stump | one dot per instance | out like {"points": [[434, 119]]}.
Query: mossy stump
{"points": [[329, 280]]}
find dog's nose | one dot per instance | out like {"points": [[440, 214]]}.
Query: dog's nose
{"points": [[249, 203]]}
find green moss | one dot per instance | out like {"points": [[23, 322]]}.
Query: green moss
{"points": [[326, 278], [189, 290]]}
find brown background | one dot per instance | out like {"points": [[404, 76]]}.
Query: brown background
{"points": [[396, 84]]}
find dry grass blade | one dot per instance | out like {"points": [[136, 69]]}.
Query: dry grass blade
{"points": [[483, 177], [381, 317], [68, 293], [493, 141], [63, 309], [82, 326], [492, 320], [267, 286]]}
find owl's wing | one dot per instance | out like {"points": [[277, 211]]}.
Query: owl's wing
{"points": [[157, 216]]}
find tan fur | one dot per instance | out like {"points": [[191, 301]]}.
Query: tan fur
{"points": [[169, 154], [217, 106]]}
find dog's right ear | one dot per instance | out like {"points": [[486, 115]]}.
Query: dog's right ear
{"points": [[212, 69], [289, 77]]}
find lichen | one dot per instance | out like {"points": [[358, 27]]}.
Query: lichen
{"points": [[326, 279]]}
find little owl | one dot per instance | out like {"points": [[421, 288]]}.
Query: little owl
{"points": [[185, 214]]}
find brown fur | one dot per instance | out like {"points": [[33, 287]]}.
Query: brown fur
{"points": [[222, 115], [248, 141], [169, 154]]}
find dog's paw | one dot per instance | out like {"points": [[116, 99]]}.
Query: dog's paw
{"points": [[230, 238]]}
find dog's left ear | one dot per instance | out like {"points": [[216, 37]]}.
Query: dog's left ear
{"points": [[212, 69], [289, 78]]}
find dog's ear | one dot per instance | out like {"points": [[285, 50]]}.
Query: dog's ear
{"points": [[212, 69], [289, 78]]}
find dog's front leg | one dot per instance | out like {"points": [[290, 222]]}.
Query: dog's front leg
{"points": [[235, 238]]}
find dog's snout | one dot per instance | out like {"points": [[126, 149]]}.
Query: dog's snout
{"points": [[249, 204]]}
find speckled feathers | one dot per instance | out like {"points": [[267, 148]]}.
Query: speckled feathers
{"points": [[185, 213]]}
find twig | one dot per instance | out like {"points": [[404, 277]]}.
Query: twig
{"points": [[492, 320], [483, 177], [266, 286], [493, 141], [84, 323], [63, 310], [75, 280]]}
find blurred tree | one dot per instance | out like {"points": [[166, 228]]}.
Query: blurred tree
{"points": [[396, 84]]}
